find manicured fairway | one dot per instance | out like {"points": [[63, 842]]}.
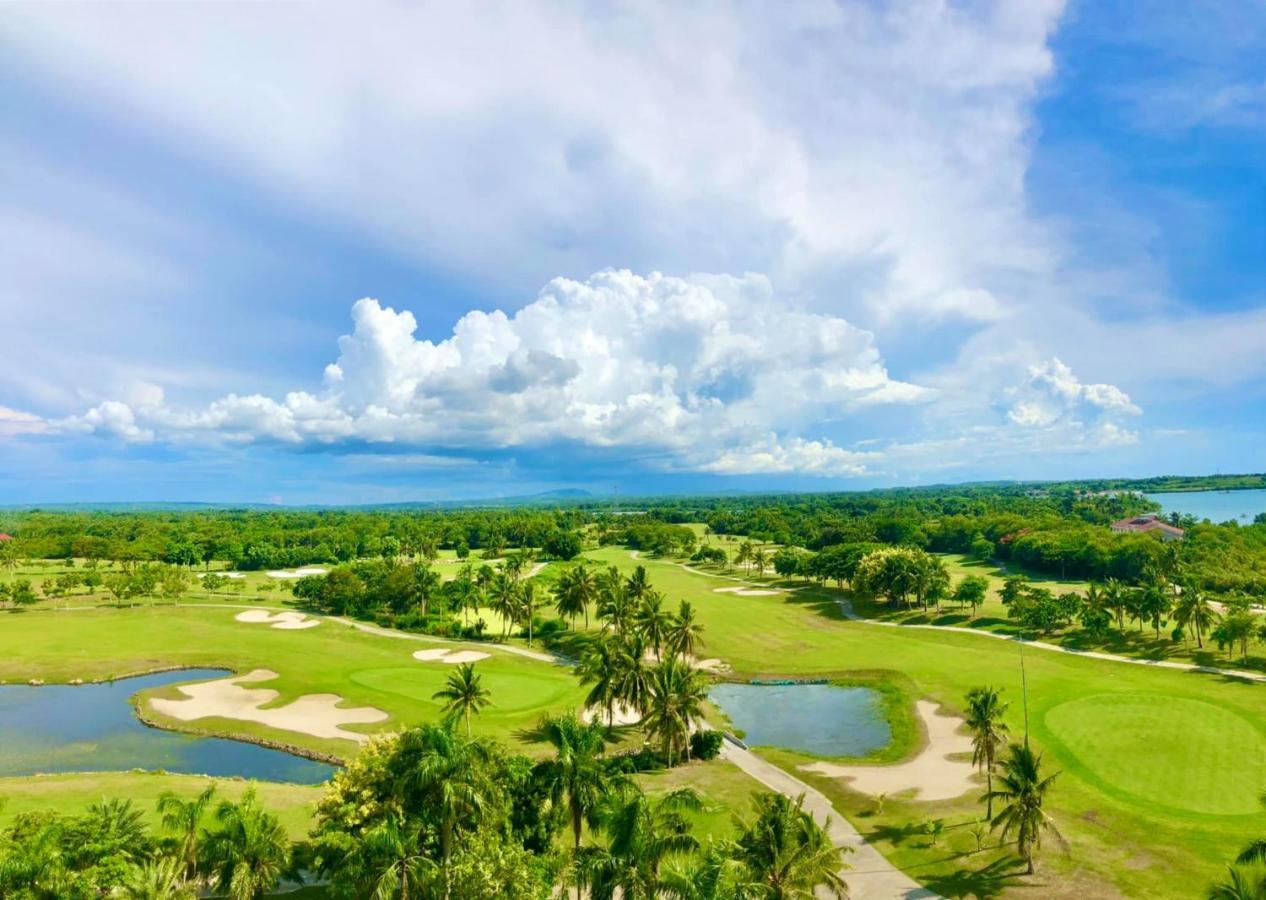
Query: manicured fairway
{"points": [[1132, 840], [72, 794]]}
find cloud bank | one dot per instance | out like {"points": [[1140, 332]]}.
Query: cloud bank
{"points": [[712, 372]]}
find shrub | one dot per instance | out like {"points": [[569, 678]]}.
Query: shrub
{"points": [[706, 744]]}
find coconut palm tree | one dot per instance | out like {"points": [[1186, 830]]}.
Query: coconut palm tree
{"points": [[1022, 791], [1193, 610], [249, 851], [529, 603], [713, 875], [463, 694], [641, 834], [616, 607], [632, 686], [638, 584], [573, 593], [602, 666], [985, 710], [185, 818], [577, 776], [788, 853], [676, 694], [743, 556], [1236, 886], [652, 620], [1116, 598], [504, 594], [685, 631], [449, 776], [387, 860], [760, 559], [157, 879]]}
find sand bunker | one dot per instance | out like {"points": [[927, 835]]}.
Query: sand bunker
{"points": [[708, 665], [444, 655], [297, 573], [287, 621], [221, 574], [746, 592], [930, 774], [624, 714], [317, 715]]}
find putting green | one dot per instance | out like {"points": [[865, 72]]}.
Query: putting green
{"points": [[514, 691], [1182, 754]]}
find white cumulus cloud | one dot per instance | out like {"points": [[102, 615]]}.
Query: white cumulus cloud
{"points": [[1052, 393], [716, 370]]}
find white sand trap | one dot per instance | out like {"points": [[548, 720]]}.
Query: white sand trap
{"points": [[221, 574], [445, 655], [930, 774], [624, 714], [297, 573], [317, 715], [746, 592], [287, 621], [708, 665]]}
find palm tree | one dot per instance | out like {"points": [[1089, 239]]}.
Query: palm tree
{"points": [[1022, 789], [744, 554], [157, 879], [249, 851], [788, 853], [676, 694], [714, 875], [760, 559], [1115, 598], [1193, 610], [641, 834], [602, 666], [505, 599], [638, 584], [573, 593], [577, 772], [684, 631], [985, 710], [451, 776], [529, 603], [387, 860], [652, 621], [616, 606], [633, 687], [185, 818], [464, 694], [1236, 886]]}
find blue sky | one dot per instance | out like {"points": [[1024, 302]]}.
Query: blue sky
{"points": [[267, 252]]}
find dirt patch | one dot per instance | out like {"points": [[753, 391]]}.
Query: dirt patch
{"points": [[746, 592]]}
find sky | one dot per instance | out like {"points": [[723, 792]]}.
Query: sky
{"points": [[383, 252]]}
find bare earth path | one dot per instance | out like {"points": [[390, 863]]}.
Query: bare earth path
{"points": [[869, 876]]}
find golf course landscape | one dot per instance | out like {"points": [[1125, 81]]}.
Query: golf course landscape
{"points": [[1158, 767]]}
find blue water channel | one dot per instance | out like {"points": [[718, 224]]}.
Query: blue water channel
{"points": [[92, 728], [822, 719]]}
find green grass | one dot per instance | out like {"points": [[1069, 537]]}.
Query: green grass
{"points": [[332, 658], [71, 794], [1121, 841]]}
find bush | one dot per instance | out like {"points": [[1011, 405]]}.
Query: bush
{"points": [[706, 744]]}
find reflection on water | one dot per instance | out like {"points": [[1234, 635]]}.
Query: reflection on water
{"points": [[823, 719], [92, 728]]}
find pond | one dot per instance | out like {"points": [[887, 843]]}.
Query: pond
{"points": [[822, 719], [93, 728]]}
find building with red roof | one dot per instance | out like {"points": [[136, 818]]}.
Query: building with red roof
{"points": [[1148, 522]]}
